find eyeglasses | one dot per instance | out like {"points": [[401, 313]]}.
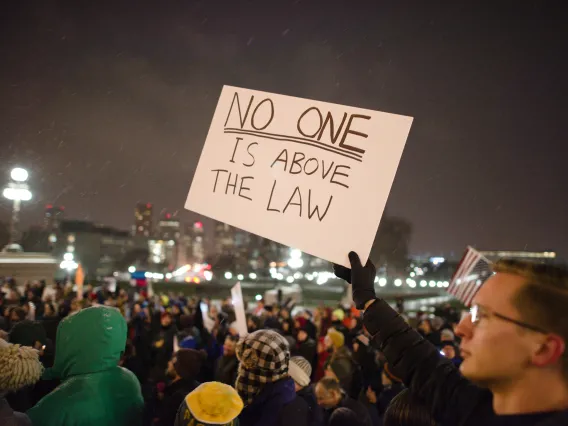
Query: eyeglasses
{"points": [[477, 312]]}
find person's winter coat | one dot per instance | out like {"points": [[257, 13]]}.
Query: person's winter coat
{"points": [[452, 398], [94, 390], [227, 369], [174, 394], [276, 405], [9, 417], [315, 412]]}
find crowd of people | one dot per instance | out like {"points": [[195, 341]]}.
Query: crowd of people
{"points": [[128, 358]]}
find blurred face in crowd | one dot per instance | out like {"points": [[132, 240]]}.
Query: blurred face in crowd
{"points": [[136, 309], [171, 371], [302, 336], [495, 350], [327, 399], [425, 326], [284, 314], [285, 326], [166, 320], [328, 343], [449, 351], [175, 310], [229, 347]]}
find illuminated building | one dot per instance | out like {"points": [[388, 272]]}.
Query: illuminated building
{"points": [[143, 220], [53, 217], [169, 228]]}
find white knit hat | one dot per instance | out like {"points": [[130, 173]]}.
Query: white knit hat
{"points": [[300, 370]]}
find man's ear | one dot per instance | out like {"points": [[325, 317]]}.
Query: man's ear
{"points": [[549, 351]]}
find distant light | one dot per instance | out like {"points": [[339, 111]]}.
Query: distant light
{"points": [[252, 276], [382, 282], [279, 276], [196, 280], [295, 254], [187, 279], [228, 275], [295, 263], [423, 283], [69, 265], [309, 277], [240, 277], [68, 256], [208, 275], [440, 284], [132, 269], [19, 175], [376, 279], [446, 284], [437, 260], [412, 274], [258, 297], [412, 284], [169, 276], [148, 275], [198, 225], [17, 194], [398, 282], [432, 283], [290, 280], [298, 276]]}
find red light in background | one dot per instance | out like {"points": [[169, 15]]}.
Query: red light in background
{"points": [[49, 206], [62, 207], [148, 206], [168, 216], [208, 267], [198, 225]]}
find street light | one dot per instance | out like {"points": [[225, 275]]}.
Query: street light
{"points": [[17, 191]]}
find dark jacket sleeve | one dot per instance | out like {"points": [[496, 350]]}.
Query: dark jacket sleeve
{"points": [[452, 398]]}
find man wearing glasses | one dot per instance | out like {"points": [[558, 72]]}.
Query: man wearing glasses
{"points": [[515, 360]]}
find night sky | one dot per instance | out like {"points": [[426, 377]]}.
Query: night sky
{"points": [[109, 104]]}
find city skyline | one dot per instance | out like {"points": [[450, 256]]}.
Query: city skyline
{"points": [[107, 108]]}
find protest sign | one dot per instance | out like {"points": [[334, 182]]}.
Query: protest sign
{"points": [[239, 305], [311, 175]]}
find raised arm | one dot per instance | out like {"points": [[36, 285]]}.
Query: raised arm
{"points": [[428, 375]]}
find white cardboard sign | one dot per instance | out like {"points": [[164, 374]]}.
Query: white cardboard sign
{"points": [[311, 175], [239, 305]]}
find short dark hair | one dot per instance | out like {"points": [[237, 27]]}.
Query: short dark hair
{"points": [[406, 410], [542, 301]]}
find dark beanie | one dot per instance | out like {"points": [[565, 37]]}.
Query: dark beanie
{"points": [[188, 363], [27, 333]]}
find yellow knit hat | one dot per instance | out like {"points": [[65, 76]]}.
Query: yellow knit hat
{"points": [[337, 338], [214, 403]]}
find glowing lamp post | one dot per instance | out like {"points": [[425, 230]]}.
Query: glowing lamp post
{"points": [[17, 191]]}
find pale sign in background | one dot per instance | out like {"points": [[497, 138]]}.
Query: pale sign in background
{"points": [[310, 175], [239, 305]]}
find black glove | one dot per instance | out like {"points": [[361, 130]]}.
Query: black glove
{"points": [[362, 279]]}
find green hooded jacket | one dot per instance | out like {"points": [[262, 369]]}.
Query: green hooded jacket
{"points": [[94, 390]]}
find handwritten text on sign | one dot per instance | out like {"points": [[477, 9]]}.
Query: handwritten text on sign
{"points": [[308, 174]]}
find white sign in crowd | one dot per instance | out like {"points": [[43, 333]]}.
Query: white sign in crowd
{"points": [[311, 175]]}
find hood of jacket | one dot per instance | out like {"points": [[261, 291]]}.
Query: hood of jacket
{"points": [[90, 341]]}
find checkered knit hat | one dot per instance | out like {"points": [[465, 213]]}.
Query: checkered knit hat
{"points": [[264, 356]]}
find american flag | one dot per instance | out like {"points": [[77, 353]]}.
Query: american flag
{"points": [[473, 270]]}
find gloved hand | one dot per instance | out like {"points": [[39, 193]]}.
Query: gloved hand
{"points": [[361, 277]]}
